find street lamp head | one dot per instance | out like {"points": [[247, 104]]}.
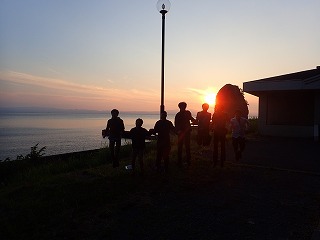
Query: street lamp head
{"points": [[163, 6]]}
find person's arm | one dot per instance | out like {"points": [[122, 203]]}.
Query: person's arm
{"points": [[146, 132], [213, 121], [122, 127], [196, 121], [106, 131], [176, 122], [173, 129], [108, 125], [155, 129], [191, 118]]}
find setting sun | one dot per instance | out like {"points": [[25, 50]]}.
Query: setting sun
{"points": [[210, 98]]}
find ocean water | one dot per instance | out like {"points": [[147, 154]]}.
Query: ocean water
{"points": [[59, 132]]}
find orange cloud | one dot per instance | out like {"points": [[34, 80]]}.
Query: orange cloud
{"points": [[62, 93]]}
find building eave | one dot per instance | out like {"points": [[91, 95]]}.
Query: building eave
{"points": [[307, 80]]}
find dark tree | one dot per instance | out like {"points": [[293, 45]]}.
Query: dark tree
{"points": [[231, 98]]}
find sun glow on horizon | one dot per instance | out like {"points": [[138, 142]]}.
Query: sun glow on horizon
{"points": [[210, 98]]}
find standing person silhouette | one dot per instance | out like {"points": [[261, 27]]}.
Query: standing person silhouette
{"points": [[138, 136], [115, 128], [203, 120], [238, 126], [183, 128], [219, 125], [163, 127]]}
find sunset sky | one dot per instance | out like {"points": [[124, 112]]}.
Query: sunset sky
{"points": [[103, 54]]}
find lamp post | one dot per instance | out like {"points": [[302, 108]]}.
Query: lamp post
{"points": [[163, 7]]}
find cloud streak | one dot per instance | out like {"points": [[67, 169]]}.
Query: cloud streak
{"points": [[53, 88]]}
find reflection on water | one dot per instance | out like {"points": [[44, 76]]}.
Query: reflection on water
{"points": [[52, 120], [60, 133]]}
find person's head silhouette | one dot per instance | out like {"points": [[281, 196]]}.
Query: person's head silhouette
{"points": [[114, 112], [205, 107], [182, 105], [139, 122], [164, 115]]}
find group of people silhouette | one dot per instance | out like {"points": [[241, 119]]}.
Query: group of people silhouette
{"points": [[218, 122]]}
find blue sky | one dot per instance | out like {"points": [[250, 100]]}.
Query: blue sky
{"points": [[102, 54]]}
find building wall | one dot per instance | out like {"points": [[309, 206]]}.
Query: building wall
{"points": [[262, 119], [317, 116], [290, 108], [290, 114], [287, 131]]}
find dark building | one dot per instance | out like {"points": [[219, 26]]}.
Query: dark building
{"points": [[289, 105]]}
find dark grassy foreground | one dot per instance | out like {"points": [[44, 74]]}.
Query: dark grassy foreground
{"points": [[81, 196]]}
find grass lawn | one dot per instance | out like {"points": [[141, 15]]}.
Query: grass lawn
{"points": [[83, 197]]}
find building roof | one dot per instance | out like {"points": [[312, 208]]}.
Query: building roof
{"points": [[305, 80]]}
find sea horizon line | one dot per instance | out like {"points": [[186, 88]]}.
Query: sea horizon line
{"points": [[7, 110]]}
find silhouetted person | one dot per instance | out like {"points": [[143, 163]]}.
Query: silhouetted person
{"points": [[183, 128], [163, 127], [219, 125], [238, 126], [115, 128], [138, 135], [203, 120]]}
